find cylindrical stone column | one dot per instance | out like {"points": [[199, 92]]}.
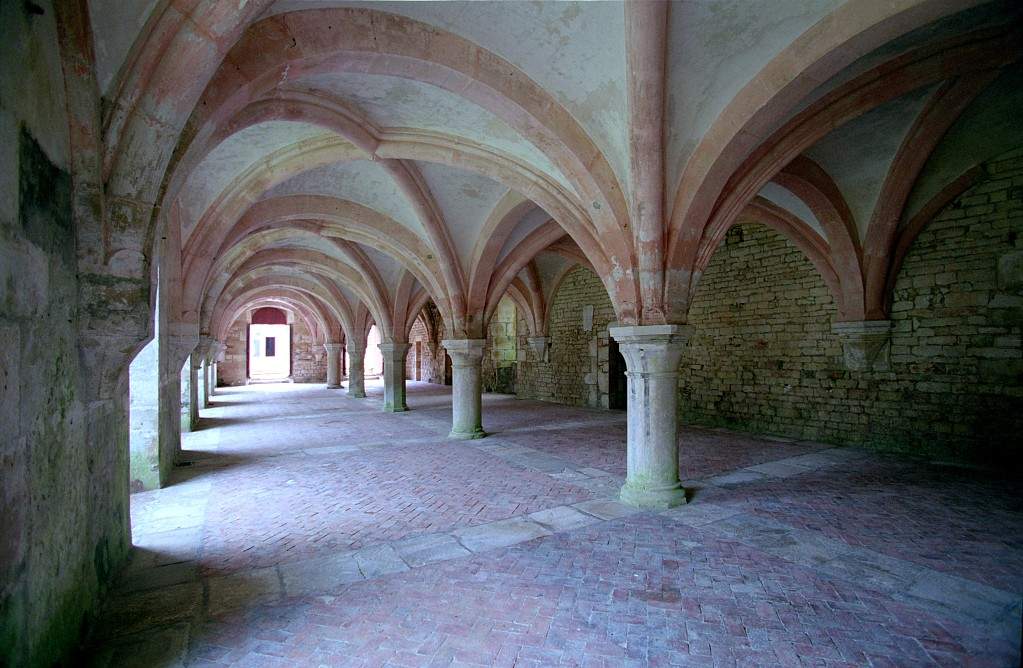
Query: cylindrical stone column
{"points": [[219, 350], [333, 367], [204, 351], [207, 381], [652, 354], [356, 372], [194, 391], [394, 376], [466, 387]]}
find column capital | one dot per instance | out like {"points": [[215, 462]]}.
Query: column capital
{"points": [[651, 349], [178, 348], [204, 349], [667, 334], [332, 347], [471, 350], [864, 343], [393, 349]]}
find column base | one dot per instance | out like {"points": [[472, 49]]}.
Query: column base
{"points": [[467, 435], [395, 409], [357, 395], [333, 387], [652, 498]]}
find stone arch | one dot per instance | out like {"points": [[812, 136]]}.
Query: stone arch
{"points": [[812, 245], [698, 223]]}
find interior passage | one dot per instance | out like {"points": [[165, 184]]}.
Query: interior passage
{"points": [[503, 333]]}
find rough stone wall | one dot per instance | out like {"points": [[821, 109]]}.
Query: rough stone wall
{"points": [[433, 352], [231, 371], [500, 356], [63, 487], [763, 356], [308, 356], [577, 368]]}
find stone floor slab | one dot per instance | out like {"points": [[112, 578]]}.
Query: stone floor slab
{"points": [[593, 473], [499, 534], [166, 647], [139, 579], [243, 589], [379, 560], [562, 518], [320, 575], [874, 570], [133, 612], [606, 509], [949, 592], [700, 513], [736, 477], [421, 550], [776, 470]]}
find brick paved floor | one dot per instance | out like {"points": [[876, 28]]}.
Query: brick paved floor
{"points": [[704, 452], [312, 529]]}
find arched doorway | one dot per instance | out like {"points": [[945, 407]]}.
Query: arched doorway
{"points": [[269, 348]]}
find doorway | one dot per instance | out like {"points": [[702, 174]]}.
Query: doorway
{"points": [[269, 352], [447, 369], [617, 382]]}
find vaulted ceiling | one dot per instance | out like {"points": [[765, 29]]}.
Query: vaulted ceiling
{"points": [[357, 158]]}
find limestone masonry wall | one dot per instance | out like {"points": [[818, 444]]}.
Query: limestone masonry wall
{"points": [[232, 370], [63, 458], [763, 357], [577, 366], [500, 351], [308, 356], [433, 353]]}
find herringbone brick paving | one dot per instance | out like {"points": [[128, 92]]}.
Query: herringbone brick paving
{"points": [[276, 480], [703, 452], [951, 520], [281, 509], [642, 591]]}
